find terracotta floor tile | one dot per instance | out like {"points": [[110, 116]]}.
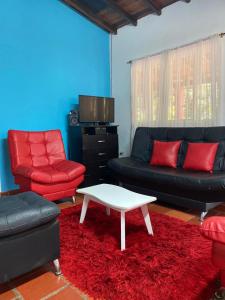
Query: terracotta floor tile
{"points": [[65, 205], [41, 286], [158, 208], [6, 293], [195, 221], [68, 293], [29, 276], [180, 215]]}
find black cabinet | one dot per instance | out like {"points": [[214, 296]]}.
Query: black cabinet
{"points": [[93, 146]]}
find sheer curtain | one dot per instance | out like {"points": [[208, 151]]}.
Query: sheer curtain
{"points": [[179, 87]]}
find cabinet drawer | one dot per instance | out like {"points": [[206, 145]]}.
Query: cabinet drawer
{"points": [[96, 156], [100, 141], [98, 170]]}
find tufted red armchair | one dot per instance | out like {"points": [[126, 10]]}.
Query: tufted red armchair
{"points": [[39, 164]]}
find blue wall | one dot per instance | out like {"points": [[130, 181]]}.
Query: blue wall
{"points": [[48, 56]]}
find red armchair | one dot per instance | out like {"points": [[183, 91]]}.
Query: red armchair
{"points": [[213, 228], [39, 164]]}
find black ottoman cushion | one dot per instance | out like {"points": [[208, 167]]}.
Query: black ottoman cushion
{"points": [[25, 211]]}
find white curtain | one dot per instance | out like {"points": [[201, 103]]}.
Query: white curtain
{"points": [[179, 87]]}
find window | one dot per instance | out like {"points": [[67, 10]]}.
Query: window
{"points": [[179, 87]]}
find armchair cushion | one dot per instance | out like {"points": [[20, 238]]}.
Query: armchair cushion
{"points": [[61, 171], [214, 228]]}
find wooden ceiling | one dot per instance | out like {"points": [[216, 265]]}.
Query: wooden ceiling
{"points": [[113, 14]]}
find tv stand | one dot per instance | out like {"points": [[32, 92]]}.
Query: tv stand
{"points": [[103, 124], [95, 124], [93, 145]]}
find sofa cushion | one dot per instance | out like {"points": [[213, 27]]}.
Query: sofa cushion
{"points": [[142, 145], [62, 171], [25, 211], [200, 156], [214, 229], [165, 153], [176, 178]]}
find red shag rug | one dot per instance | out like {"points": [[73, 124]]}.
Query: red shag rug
{"points": [[174, 264]]}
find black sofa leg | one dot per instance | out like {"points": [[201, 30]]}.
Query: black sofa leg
{"points": [[202, 216], [57, 267]]}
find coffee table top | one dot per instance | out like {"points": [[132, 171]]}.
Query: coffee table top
{"points": [[116, 197]]}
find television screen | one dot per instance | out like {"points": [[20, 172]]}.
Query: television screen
{"points": [[96, 109]]}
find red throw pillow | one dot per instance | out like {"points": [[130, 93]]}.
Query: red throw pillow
{"points": [[165, 154], [200, 156]]}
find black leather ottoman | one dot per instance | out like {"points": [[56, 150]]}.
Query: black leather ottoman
{"points": [[29, 234]]}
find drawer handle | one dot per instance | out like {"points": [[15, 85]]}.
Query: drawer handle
{"points": [[101, 179], [101, 141], [103, 166], [101, 153]]}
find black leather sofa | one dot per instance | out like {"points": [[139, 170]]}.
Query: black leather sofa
{"points": [[29, 234], [192, 189]]}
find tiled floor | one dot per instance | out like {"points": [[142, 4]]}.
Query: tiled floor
{"points": [[42, 284]]}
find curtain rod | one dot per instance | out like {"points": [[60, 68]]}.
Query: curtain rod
{"points": [[222, 34]]}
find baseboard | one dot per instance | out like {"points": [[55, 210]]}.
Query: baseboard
{"points": [[8, 193]]}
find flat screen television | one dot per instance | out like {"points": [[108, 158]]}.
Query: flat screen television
{"points": [[96, 109]]}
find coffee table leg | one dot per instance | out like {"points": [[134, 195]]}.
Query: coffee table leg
{"points": [[122, 220], [108, 211], [146, 216], [84, 209]]}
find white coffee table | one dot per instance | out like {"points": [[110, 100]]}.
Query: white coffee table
{"points": [[117, 198]]}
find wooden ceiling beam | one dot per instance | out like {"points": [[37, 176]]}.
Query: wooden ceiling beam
{"points": [[87, 12], [154, 7], [115, 6]]}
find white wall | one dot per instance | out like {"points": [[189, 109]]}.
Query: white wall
{"points": [[179, 24]]}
